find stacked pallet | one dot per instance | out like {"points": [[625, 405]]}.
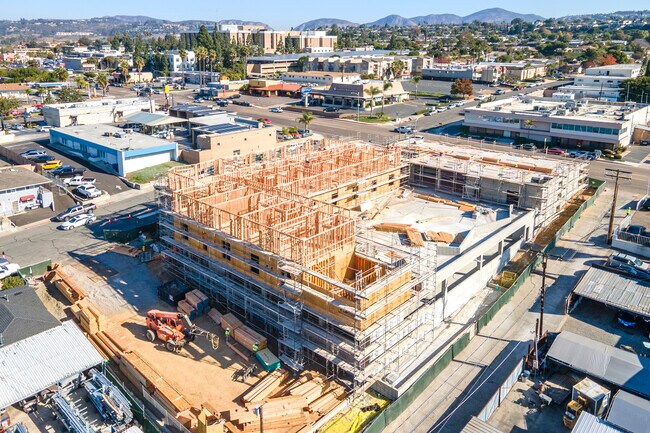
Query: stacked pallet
{"points": [[392, 227], [443, 237], [126, 250], [327, 401], [266, 386], [279, 413], [249, 338], [229, 321], [215, 315], [66, 285]]}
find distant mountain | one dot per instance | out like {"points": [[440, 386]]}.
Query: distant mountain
{"points": [[437, 19], [244, 23], [498, 15], [393, 21], [133, 18], [324, 22]]}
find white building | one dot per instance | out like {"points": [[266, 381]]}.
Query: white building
{"points": [[320, 78], [603, 82], [583, 124], [117, 150], [92, 112], [177, 64]]}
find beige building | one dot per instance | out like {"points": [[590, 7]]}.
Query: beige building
{"points": [[230, 144], [319, 78]]}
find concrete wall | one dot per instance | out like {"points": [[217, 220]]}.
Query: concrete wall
{"points": [[134, 164]]}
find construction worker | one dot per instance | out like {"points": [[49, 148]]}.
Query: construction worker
{"points": [[629, 210], [227, 334], [256, 347]]}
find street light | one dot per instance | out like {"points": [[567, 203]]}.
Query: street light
{"points": [[358, 96]]}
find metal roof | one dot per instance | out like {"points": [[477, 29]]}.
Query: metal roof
{"points": [[22, 315], [153, 119], [224, 128], [630, 412], [35, 363], [587, 423], [475, 425], [614, 290], [618, 367]]}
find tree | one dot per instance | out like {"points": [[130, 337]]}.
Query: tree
{"points": [[302, 62], [387, 85], [397, 68], [12, 281], [183, 55], [462, 87], [124, 67], [201, 54], [81, 81], [139, 64], [415, 80], [607, 60], [69, 94], [7, 105], [306, 119], [372, 91], [102, 80], [48, 99], [636, 89]]}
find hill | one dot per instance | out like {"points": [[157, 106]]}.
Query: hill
{"points": [[498, 15], [324, 22], [393, 21], [437, 19]]}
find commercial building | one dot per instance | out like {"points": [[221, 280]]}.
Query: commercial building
{"points": [[17, 90], [21, 189], [273, 41], [93, 112], [584, 124], [603, 82], [359, 294], [355, 95], [36, 350], [485, 72], [178, 64], [319, 78], [113, 148], [265, 87]]}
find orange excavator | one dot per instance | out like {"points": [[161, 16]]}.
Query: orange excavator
{"points": [[175, 329]]}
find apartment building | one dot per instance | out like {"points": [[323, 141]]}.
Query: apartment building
{"points": [[583, 124], [178, 64], [603, 82]]}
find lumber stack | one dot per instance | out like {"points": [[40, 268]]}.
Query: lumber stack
{"points": [[248, 338], [266, 386], [185, 308], [229, 321], [66, 285], [280, 413], [443, 237], [90, 318], [126, 250], [415, 238], [392, 227], [198, 300], [215, 315], [327, 401]]}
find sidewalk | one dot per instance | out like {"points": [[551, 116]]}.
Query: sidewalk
{"points": [[464, 387]]}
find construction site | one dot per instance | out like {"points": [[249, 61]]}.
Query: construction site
{"points": [[346, 257]]}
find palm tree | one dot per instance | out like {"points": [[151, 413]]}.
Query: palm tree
{"points": [[372, 92], [201, 54], [306, 119], [139, 64], [81, 81], [102, 80], [415, 80], [124, 67], [387, 85]]}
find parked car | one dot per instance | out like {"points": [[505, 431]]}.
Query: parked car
{"points": [[235, 96], [242, 103], [88, 191], [331, 109], [8, 269], [628, 269], [198, 100], [17, 127], [430, 112], [44, 128], [43, 158], [305, 132], [30, 154], [636, 230], [555, 151], [276, 110], [500, 92], [629, 260], [403, 130], [481, 98], [79, 180], [51, 165], [68, 171], [74, 211], [78, 221], [265, 121], [526, 146]]}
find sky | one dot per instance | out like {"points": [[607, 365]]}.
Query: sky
{"points": [[283, 14]]}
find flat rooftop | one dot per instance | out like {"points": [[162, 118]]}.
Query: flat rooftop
{"points": [[112, 137], [18, 177], [101, 103], [323, 74], [555, 109], [495, 164]]}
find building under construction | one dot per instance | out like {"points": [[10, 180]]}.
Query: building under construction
{"points": [[332, 255]]}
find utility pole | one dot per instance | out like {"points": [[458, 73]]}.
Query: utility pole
{"points": [[617, 175], [541, 298]]}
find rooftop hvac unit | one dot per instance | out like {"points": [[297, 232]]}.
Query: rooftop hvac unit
{"points": [[561, 112]]}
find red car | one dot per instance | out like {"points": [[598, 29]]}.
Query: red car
{"points": [[555, 151], [264, 121]]}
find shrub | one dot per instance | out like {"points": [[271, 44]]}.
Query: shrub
{"points": [[12, 281]]}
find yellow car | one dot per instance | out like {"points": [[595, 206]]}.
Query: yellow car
{"points": [[49, 165]]}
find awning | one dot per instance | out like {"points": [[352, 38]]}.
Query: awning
{"points": [[25, 198]]}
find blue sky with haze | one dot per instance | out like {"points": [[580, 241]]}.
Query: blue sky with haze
{"points": [[282, 14]]}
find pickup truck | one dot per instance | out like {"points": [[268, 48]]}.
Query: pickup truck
{"points": [[79, 180], [74, 211], [67, 171], [88, 191]]}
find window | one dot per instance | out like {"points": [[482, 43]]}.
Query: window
{"points": [[355, 188], [185, 227], [374, 182], [391, 176], [205, 247], [226, 246], [335, 196], [255, 259]]}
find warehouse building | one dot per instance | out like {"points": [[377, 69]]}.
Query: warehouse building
{"points": [[36, 350], [21, 189], [335, 256], [113, 148], [93, 112], [584, 124]]}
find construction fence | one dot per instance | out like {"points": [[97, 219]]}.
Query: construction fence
{"points": [[501, 393], [398, 406]]}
